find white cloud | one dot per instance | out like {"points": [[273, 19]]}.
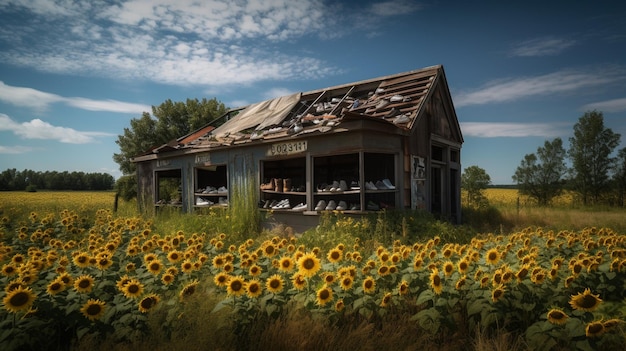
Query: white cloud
{"points": [[38, 129], [558, 82], [277, 92], [514, 130], [548, 46], [394, 7], [615, 105], [182, 42], [39, 100], [15, 150]]}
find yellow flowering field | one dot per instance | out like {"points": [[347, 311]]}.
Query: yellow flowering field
{"points": [[510, 197], [66, 278]]}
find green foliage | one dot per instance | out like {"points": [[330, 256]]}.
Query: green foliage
{"points": [[12, 179], [540, 175], [169, 121], [126, 187], [474, 180], [590, 150]]}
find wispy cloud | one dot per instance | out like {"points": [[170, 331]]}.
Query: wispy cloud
{"points": [[15, 150], [394, 7], [615, 105], [38, 129], [514, 130], [506, 90], [184, 42], [548, 46], [40, 101]]}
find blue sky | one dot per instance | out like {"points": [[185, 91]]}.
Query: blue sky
{"points": [[74, 73]]}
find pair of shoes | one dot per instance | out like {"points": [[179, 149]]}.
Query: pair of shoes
{"points": [[338, 186], [354, 185], [370, 186], [388, 184], [382, 103], [355, 207], [203, 202], [402, 119], [371, 206], [282, 205], [331, 205], [341, 206], [286, 185], [223, 201], [222, 189], [321, 205], [299, 207], [209, 190], [392, 113], [268, 186]]}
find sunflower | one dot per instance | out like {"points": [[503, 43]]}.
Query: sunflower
{"points": [[174, 256], [386, 300], [103, 261], [308, 264], [594, 329], [324, 295], [221, 279], [460, 283], [218, 261], [186, 266], [133, 289], [9, 269], [236, 286], [369, 285], [334, 255], [585, 301], [268, 249], [167, 278], [93, 309], [84, 283], [463, 266], [155, 266], [403, 288], [435, 281], [188, 290], [66, 278], [492, 256], [329, 278], [274, 284], [286, 264], [55, 287], [148, 302], [557, 316], [612, 323], [448, 268], [19, 299], [254, 288], [339, 305], [346, 282], [383, 271], [255, 270], [81, 260], [298, 281], [417, 263], [497, 293]]}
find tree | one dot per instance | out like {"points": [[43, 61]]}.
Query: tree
{"points": [[590, 150], [619, 176], [474, 180], [171, 120], [540, 176]]}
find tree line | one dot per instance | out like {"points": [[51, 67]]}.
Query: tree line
{"points": [[596, 175], [29, 180]]}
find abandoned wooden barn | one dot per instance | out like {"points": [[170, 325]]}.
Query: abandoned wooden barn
{"points": [[382, 143]]}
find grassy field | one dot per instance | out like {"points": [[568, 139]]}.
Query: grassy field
{"points": [[76, 275]]}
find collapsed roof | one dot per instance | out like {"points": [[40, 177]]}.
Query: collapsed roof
{"points": [[396, 99]]}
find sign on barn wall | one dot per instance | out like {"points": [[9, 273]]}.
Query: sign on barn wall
{"points": [[287, 148]]}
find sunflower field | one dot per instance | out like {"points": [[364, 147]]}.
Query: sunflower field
{"points": [[68, 279]]}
